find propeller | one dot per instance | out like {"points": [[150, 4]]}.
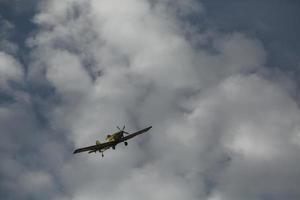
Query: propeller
{"points": [[122, 129]]}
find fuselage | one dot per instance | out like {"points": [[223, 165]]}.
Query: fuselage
{"points": [[114, 137]]}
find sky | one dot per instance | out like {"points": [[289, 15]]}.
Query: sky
{"points": [[217, 80]]}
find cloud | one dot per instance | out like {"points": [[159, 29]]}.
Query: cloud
{"points": [[10, 70], [261, 123], [222, 129], [6, 29]]}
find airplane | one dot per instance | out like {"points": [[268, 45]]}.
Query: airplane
{"points": [[111, 141]]}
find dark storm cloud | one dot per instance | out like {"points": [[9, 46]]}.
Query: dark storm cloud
{"points": [[222, 128]]}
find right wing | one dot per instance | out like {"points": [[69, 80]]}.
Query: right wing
{"points": [[134, 134], [95, 147]]}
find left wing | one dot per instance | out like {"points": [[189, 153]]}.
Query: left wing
{"points": [[95, 147], [134, 134]]}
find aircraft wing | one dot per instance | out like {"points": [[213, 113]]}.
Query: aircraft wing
{"points": [[135, 134], [95, 147]]}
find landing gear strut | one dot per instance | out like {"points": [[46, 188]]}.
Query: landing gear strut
{"points": [[125, 143]]}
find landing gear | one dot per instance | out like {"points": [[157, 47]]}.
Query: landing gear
{"points": [[125, 143], [102, 155], [114, 147]]}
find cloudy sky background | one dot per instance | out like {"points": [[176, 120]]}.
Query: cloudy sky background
{"points": [[218, 81]]}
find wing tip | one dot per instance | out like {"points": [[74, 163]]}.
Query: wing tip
{"points": [[76, 151]]}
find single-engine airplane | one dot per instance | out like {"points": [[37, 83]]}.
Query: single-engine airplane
{"points": [[111, 141]]}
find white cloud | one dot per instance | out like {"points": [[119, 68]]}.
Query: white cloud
{"points": [[39, 181], [10, 70], [66, 73]]}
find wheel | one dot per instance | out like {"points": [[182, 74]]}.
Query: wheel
{"points": [[114, 147], [102, 155], [125, 143]]}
